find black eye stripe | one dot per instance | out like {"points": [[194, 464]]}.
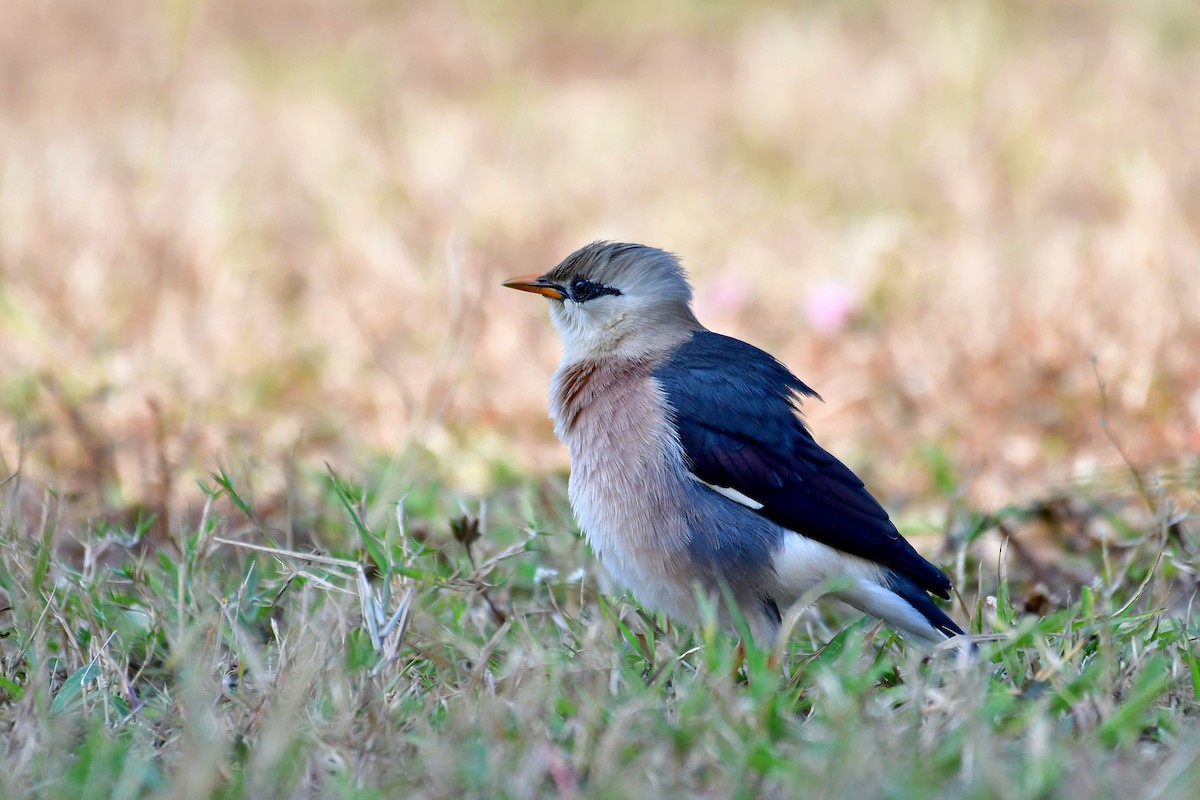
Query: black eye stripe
{"points": [[584, 290]]}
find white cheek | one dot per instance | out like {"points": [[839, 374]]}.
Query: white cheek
{"points": [[584, 331]]}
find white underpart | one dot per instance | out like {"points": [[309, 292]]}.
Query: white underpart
{"points": [[803, 565], [622, 447], [730, 493], [879, 601]]}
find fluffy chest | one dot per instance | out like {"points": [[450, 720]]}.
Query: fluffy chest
{"points": [[626, 469]]}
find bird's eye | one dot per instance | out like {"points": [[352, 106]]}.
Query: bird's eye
{"points": [[583, 290]]}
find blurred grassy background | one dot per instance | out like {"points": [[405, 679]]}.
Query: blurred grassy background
{"points": [[255, 233]]}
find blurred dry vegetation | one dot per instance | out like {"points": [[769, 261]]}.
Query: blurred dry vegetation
{"points": [[260, 234]]}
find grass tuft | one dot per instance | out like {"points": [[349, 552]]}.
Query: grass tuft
{"points": [[482, 662]]}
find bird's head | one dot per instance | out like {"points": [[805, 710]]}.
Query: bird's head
{"points": [[616, 299]]}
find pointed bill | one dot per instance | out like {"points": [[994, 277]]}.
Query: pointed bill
{"points": [[536, 284]]}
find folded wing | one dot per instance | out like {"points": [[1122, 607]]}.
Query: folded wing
{"points": [[736, 409]]}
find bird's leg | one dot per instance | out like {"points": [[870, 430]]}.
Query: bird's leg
{"points": [[739, 657]]}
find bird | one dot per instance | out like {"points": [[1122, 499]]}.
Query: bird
{"points": [[693, 471]]}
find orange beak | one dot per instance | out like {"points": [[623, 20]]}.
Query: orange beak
{"points": [[536, 284]]}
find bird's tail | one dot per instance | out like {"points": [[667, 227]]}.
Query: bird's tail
{"points": [[900, 602]]}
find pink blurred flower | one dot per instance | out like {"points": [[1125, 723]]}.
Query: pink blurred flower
{"points": [[721, 296], [829, 305]]}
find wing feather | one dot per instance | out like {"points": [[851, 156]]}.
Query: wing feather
{"points": [[736, 410]]}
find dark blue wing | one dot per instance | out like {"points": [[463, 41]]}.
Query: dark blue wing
{"points": [[737, 412]]}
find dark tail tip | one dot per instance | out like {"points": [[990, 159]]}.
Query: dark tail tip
{"points": [[919, 599]]}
